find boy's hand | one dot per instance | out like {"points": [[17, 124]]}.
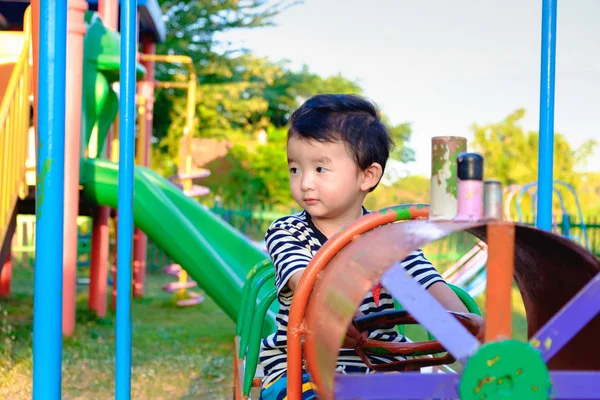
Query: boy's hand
{"points": [[480, 322], [353, 337]]}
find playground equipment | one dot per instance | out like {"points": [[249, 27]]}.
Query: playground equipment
{"points": [[565, 223], [550, 270], [14, 120], [214, 254], [500, 366], [180, 287], [249, 327], [185, 179], [469, 271]]}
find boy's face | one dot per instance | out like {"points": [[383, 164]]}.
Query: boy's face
{"points": [[324, 178]]}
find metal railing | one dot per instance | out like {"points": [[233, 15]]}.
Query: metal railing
{"points": [[14, 126], [190, 86]]}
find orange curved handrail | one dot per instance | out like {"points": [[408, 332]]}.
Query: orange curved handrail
{"points": [[296, 327]]}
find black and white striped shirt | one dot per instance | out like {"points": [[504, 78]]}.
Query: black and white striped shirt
{"points": [[292, 242]]}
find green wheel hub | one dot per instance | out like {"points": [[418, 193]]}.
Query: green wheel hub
{"points": [[507, 370]]}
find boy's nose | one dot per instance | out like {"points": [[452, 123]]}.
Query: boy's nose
{"points": [[307, 182]]}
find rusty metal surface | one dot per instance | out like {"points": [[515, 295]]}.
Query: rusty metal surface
{"points": [[549, 270]]}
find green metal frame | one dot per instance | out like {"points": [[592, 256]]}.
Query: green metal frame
{"points": [[249, 327]]}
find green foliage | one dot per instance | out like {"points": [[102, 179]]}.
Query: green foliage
{"points": [[401, 135], [259, 177], [511, 155], [239, 94], [589, 193], [412, 189]]}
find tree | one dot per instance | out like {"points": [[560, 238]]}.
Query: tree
{"points": [[193, 24], [238, 95], [511, 154], [191, 29]]}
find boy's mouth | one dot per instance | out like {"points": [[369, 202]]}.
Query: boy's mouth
{"points": [[310, 201]]}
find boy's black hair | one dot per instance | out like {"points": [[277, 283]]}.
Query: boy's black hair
{"points": [[351, 119]]}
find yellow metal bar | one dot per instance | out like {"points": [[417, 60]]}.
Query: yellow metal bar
{"points": [[190, 85], [14, 123], [170, 85]]}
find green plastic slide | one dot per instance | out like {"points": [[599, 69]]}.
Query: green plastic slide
{"points": [[214, 254]]}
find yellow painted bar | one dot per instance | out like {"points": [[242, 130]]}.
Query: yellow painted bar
{"points": [[14, 124]]}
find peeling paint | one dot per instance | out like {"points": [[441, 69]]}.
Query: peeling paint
{"points": [[44, 170]]}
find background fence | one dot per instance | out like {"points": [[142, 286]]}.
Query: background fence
{"points": [[254, 224]]}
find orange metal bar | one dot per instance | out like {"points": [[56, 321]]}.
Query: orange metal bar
{"points": [[500, 267], [307, 282]]}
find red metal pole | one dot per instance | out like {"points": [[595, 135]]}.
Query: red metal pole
{"points": [[113, 269], [99, 261], [146, 89], [75, 34], [6, 275], [108, 11]]}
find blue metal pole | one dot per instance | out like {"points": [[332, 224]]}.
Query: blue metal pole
{"points": [[48, 277], [125, 202], [546, 140]]}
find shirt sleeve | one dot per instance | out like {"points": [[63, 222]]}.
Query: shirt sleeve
{"points": [[287, 252], [421, 269]]}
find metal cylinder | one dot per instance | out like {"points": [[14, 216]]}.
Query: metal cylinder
{"points": [[470, 186], [492, 199], [74, 78], [444, 183]]}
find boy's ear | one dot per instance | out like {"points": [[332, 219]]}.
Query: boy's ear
{"points": [[371, 176]]}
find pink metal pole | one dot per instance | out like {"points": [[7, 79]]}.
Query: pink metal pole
{"points": [[76, 32], [109, 13]]}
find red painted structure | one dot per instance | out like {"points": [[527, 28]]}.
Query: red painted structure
{"points": [[75, 32], [146, 92], [100, 248], [151, 29], [5, 276]]}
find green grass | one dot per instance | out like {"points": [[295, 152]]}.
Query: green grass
{"points": [[178, 353]]}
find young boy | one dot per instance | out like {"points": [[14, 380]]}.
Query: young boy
{"points": [[337, 151]]}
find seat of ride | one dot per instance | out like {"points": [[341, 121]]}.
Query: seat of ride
{"points": [[248, 373]]}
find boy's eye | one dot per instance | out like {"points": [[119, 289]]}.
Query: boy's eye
{"points": [[321, 170], [293, 170]]}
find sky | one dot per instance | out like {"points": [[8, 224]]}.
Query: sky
{"points": [[444, 65]]}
